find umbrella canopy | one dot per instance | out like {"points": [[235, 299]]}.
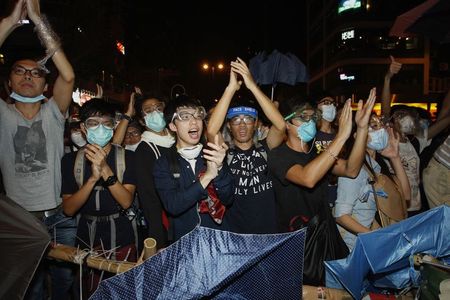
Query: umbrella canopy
{"points": [[429, 19], [218, 265], [23, 240], [277, 68], [382, 258]]}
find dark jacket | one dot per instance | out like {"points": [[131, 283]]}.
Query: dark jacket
{"points": [[181, 196]]}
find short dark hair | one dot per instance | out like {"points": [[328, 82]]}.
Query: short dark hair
{"points": [[180, 101], [140, 99], [137, 125], [96, 107]]}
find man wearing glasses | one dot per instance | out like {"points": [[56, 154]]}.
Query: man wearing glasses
{"points": [[104, 190], [253, 209], [202, 187], [31, 136]]}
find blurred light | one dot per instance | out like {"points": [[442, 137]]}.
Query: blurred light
{"points": [[220, 66], [120, 47], [407, 38], [346, 35], [1, 55], [205, 67], [367, 6], [79, 29]]}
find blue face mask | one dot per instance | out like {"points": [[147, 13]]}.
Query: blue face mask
{"points": [[23, 99], [378, 139], [155, 121], [307, 131], [99, 135]]}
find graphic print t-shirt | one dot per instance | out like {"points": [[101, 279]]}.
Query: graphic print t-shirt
{"points": [[31, 155], [253, 209]]}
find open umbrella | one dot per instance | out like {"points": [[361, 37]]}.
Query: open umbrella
{"points": [[382, 258], [217, 265], [23, 240], [277, 68], [429, 19]]}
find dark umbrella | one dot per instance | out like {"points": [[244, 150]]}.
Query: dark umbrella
{"points": [[23, 240], [277, 68], [430, 19], [213, 264], [383, 258]]}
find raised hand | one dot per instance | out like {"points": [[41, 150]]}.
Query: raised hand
{"points": [[240, 67], [216, 153], [19, 13], [345, 121], [363, 113], [97, 156], [234, 83], [130, 109], [392, 149], [33, 10], [394, 67]]}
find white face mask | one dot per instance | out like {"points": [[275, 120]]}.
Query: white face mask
{"points": [[329, 112], [190, 153], [78, 139], [132, 147], [407, 125]]}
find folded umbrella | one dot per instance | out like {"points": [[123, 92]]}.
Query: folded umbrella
{"points": [[218, 265]]}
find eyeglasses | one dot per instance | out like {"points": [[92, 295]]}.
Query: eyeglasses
{"points": [[154, 107], [246, 119], [327, 101], [131, 134], [94, 122], [303, 117], [36, 72], [375, 123], [199, 114]]}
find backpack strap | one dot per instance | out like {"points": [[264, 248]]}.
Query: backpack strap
{"points": [[174, 165], [78, 168], [120, 162], [260, 148], [230, 154]]}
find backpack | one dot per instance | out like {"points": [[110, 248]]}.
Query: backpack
{"points": [[259, 147], [391, 207], [133, 213]]}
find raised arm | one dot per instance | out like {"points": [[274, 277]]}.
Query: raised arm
{"points": [[121, 130], [220, 110], [352, 166], [394, 68], [392, 153], [267, 106], [11, 22], [63, 87], [311, 173], [443, 118]]}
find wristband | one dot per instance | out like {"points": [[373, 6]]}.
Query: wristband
{"points": [[127, 117], [111, 180]]}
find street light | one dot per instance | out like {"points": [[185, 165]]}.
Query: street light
{"points": [[206, 67]]}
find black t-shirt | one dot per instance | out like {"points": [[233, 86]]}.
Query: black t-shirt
{"points": [[321, 142], [294, 202], [107, 204], [253, 209]]}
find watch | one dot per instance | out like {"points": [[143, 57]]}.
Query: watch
{"points": [[127, 117], [111, 180]]}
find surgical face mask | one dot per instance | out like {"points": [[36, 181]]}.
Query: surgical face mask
{"points": [[378, 139], [329, 112], [78, 139], [307, 131], [407, 125], [155, 121], [99, 135], [23, 99], [132, 147], [190, 153]]}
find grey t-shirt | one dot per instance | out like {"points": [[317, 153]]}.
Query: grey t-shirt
{"points": [[31, 152]]}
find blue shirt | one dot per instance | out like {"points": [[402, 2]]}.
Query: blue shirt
{"points": [[355, 198]]}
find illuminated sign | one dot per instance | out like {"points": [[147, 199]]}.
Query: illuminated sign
{"points": [[346, 35], [348, 4], [346, 77]]}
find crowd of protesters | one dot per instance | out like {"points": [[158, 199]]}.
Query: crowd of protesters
{"points": [[168, 166]]}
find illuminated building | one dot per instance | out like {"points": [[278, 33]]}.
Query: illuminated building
{"points": [[348, 48]]}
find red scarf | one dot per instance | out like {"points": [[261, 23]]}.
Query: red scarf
{"points": [[212, 204]]}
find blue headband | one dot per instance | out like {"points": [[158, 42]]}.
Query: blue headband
{"points": [[242, 110]]}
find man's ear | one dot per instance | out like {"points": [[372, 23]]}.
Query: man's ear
{"points": [[172, 127]]}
